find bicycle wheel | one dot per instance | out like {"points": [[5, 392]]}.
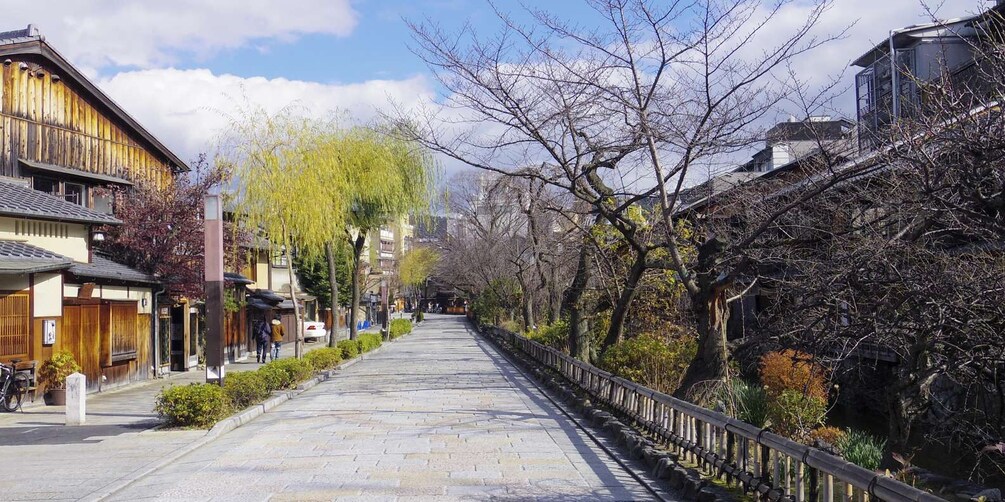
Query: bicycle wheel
{"points": [[15, 391], [7, 396]]}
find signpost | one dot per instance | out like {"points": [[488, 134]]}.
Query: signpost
{"points": [[214, 289]]}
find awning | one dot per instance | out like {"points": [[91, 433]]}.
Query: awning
{"points": [[73, 173]]}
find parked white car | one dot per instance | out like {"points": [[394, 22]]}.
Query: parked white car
{"points": [[315, 330]]}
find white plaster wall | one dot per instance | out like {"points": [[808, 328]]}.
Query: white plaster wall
{"points": [[114, 293], [140, 294], [70, 290], [73, 245], [261, 274], [13, 282], [48, 295]]}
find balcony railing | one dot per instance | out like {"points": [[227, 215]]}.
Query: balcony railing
{"points": [[753, 459]]}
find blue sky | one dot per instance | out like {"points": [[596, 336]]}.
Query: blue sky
{"points": [[181, 66]]}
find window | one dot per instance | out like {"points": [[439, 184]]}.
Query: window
{"points": [[15, 325], [279, 258], [71, 192], [74, 192], [103, 203], [47, 185]]}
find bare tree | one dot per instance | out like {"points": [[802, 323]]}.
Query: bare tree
{"points": [[618, 114]]}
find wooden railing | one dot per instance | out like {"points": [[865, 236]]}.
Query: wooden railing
{"points": [[753, 459]]}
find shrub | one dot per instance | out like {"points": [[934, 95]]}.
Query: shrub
{"points": [[193, 405], [400, 327], [793, 370], [827, 434], [275, 377], [245, 388], [297, 370], [650, 361], [745, 401], [53, 371], [349, 348], [555, 335], [862, 449], [368, 341], [794, 415], [325, 358], [512, 326]]}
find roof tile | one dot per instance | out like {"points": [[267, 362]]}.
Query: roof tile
{"points": [[16, 200]]}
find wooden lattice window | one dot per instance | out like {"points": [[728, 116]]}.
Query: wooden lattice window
{"points": [[123, 331], [15, 325]]}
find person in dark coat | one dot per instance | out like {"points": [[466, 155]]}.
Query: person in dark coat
{"points": [[263, 339]]}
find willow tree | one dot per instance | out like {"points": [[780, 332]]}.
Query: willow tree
{"points": [[416, 267], [388, 179], [279, 179]]}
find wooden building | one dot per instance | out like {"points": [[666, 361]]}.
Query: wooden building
{"points": [[57, 292], [61, 138]]}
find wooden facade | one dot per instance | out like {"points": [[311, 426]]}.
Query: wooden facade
{"points": [[51, 114], [52, 123]]}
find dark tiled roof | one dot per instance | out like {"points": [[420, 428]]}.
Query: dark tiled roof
{"points": [[267, 296], [16, 200], [236, 278], [21, 258], [101, 267]]}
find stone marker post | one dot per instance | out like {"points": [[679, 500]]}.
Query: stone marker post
{"points": [[76, 395]]}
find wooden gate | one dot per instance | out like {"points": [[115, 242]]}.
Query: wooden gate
{"points": [[15, 325]]}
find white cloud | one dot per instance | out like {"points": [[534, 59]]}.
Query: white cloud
{"points": [[188, 109], [146, 34]]}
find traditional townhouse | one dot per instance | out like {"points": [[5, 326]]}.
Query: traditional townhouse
{"points": [[62, 140], [58, 293]]}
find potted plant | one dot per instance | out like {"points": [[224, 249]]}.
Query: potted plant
{"points": [[52, 376]]}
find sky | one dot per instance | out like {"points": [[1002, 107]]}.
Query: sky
{"points": [[181, 67]]}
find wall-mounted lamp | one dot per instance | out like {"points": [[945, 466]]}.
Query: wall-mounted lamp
{"points": [[97, 236]]}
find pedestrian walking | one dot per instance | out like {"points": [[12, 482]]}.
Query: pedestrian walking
{"points": [[263, 335], [277, 337]]}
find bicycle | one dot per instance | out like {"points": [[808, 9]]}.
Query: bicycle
{"points": [[13, 386]]}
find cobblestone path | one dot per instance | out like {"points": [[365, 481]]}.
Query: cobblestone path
{"points": [[436, 415]]}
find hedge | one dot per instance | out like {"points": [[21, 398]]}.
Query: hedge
{"points": [[194, 405], [202, 405], [368, 341], [400, 327], [326, 358], [297, 370], [245, 388], [349, 348]]}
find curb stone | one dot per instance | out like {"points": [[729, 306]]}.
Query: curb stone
{"points": [[226, 425]]}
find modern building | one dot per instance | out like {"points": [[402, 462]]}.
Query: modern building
{"points": [[890, 88]]}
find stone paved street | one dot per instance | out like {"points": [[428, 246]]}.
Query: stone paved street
{"points": [[56, 462], [436, 415]]}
